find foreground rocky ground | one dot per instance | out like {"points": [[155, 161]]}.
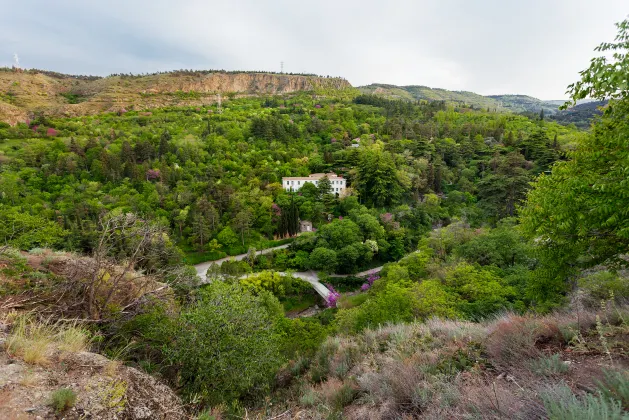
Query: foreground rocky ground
{"points": [[104, 389]]}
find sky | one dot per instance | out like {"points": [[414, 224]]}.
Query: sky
{"points": [[533, 47]]}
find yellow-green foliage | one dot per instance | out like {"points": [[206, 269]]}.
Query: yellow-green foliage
{"points": [[266, 280], [114, 395]]}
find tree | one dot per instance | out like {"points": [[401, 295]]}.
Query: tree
{"points": [[164, 143], [579, 214], [340, 233], [323, 259], [393, 305], [227, 237], [125, 244], [376, 177], [24, 231], [324, 186], [201, 230], [242, 222], [226, 345], [501, 191], [289, 219], [181, 218], [605, 79]]}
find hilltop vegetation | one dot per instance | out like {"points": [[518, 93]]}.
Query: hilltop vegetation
{"points": [[25, 93], [503, 103]]}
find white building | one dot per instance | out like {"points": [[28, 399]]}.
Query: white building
{"points": [[294, 183]]}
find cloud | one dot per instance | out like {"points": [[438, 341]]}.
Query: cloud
{"points": [[486, 46]]}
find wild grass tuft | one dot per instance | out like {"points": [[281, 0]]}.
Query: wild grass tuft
{"points": [[33, 341], [62, 399], [30, 341]]}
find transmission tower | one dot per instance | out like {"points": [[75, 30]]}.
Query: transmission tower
{"points": [[282, 67], [17, 61], [219, 107]]}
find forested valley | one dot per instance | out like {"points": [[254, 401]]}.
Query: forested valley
{"points": [[502, 241]]}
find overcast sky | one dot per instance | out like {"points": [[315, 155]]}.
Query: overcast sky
{"points": [[533, 47]]}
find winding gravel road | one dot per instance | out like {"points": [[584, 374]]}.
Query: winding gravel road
{"points": [[311, 277]]}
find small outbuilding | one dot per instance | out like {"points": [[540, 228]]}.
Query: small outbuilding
{"points": [[305, 226]]}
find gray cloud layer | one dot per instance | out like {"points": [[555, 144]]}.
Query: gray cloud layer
{"points": [[532, 47]]}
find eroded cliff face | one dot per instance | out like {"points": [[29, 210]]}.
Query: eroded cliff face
{"points": [[25, 93]]}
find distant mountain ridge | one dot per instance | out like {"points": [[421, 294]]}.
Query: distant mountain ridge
{"points": [[513, 103], [23, 93]]}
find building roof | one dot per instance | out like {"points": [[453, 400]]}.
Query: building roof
{"points": [[312, 177]]}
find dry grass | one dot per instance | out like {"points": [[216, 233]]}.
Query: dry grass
{"points": [[111, 368], [35, 341], [514, 339], [29, 379], [30, 341], [462, 370], [72, 338]]}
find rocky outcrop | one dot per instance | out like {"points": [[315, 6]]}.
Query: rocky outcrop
{"points": [[23, 93], [104, 389]]}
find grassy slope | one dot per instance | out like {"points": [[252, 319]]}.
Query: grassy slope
{"points": [[511, 367]]}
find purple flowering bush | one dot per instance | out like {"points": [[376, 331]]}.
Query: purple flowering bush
{"points": [[333, 298], [370, 280]]}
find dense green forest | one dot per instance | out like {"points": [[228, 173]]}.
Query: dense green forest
{"points": [[473, 213], [214, 178]]}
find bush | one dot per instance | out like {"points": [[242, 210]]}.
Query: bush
{"points": [[62, 399], [226, 345], [481, 292], [615, 385], [512, 339], [393, 304], [604, 285], [302, 336], [433, 300], [560, 403], [549, 366]]}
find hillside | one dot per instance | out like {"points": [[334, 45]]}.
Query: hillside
{"points": [[26, 92], [513, 103], [524, 103], [581, 114], [431, 94]]}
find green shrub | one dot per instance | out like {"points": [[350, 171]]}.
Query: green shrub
{"points": [[615, 385], [226, 345], [309, 398], [62, 399], [393, 304], [549, 366], [343, 396], [561, 404], [603, 286]]}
